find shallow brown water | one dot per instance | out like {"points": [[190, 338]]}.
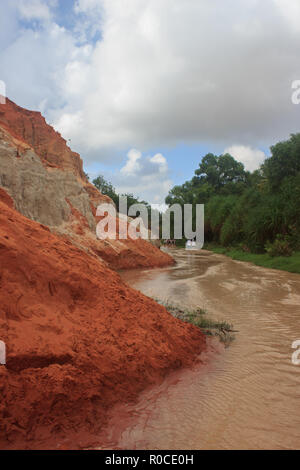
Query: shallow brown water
{"points": [[246, 397]]}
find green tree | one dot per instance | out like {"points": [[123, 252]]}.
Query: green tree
{"points": [[284, 162], [224, 174], [259, 210], [106, 188]]}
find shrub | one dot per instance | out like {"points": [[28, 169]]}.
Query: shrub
{"points": [[280, 247]]}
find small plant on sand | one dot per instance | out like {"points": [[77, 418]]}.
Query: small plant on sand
{"points": [[198, 317]]}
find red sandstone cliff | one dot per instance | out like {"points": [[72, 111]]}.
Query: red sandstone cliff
{"points": [[78, 339], [47, 183], [31, 127]]}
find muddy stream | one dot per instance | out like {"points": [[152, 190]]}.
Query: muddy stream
{"points": [[244, 397]]}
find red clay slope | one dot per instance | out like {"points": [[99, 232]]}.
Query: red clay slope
{"points": [[49, 145], [62, 194], [78, 339]]}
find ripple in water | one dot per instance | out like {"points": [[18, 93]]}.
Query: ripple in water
{"points": [[246, 397]]}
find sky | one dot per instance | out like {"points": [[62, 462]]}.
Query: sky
{"points": [[143, 89]]}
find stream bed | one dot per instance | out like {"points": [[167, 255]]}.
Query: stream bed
{"points": [[244, 397]]}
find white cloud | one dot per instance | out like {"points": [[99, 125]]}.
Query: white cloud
{"points": [[132, 165], [251, 158], [173, 71], [36, 9], [145, 176], [87, 6], [89, 19], [290, 10], [44, 68], [162, 72], [160, 160]]}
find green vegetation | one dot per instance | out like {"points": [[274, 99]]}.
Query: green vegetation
{"points": [[199, 318], [250, 213], [290, 264], [106, 188]]}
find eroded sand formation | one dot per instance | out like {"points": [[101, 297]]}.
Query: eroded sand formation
{"points": [[78, 339], [47, 183]]}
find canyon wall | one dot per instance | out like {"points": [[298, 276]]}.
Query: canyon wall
{"points": [[78, 340], [47, 183], [32, 129]]}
